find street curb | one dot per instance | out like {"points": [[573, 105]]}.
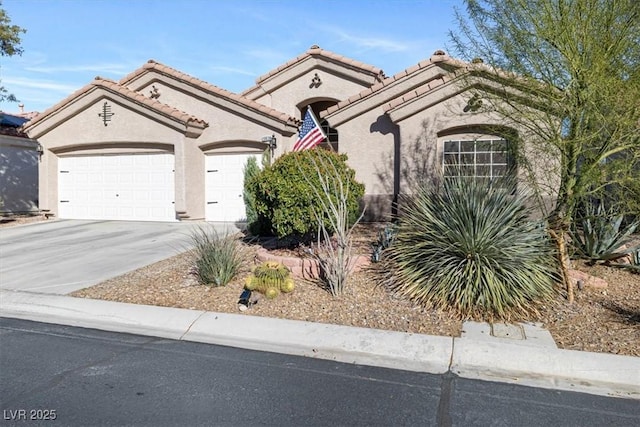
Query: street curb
{"points": [[595, 373], [412, 352]]}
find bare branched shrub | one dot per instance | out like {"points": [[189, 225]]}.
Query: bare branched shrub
{"points": [[333, 253]]}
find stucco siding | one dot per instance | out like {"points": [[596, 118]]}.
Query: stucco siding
{"points": [[333, 86]]}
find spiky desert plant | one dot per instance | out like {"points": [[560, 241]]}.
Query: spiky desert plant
{"points": [[270, 278], [385, 238], [468, 245], [600, 236], [217, 258]]}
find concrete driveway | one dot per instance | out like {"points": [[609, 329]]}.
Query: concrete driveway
{"points": [[61, 256]]}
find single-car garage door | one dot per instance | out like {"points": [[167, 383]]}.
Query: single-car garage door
{"points": [[136, 187], [224, 184]]}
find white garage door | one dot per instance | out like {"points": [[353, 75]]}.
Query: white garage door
{"points": [[224, 185], [119, 187]]}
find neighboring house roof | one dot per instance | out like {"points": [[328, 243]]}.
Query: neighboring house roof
{"points": [[111, 86], [10, 124], [11, 120], [240, 100], [315, 51]]}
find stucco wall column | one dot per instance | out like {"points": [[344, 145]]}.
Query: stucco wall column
{"points": [[194, 179], [48, 182], [189, 180]]}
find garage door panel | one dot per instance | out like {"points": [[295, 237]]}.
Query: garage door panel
{"points": [[224, 187], [125, 187]]}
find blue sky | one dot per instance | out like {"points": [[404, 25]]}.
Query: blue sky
{"points": [[224, 42]]}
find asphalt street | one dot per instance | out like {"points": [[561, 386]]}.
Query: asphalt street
{"points": [[86, 377]]}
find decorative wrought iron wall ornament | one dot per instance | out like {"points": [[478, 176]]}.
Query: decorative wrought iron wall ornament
{"points": [[154, 93], [106, 113], [315, 81], [474, 104]]}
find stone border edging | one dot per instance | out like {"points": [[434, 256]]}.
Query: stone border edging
{"points": [[306, 268]]}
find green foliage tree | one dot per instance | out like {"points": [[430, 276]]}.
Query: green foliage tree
{"points": [[286, 193], [9, 45], [578, 62]]}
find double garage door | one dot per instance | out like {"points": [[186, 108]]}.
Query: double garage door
{"points": [[141, 187], [118, 187]]}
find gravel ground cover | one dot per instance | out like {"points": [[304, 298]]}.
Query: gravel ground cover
{"points": [[600, 320]]}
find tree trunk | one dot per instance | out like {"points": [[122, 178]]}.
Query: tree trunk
{"points": [[562, 216]]}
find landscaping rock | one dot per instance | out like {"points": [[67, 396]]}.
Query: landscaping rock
{"points": [[577, 276]]}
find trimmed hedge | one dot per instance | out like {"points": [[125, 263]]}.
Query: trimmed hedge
{"points": [[285, 200]]}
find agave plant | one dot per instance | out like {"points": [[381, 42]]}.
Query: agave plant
{"points": [[634, 263], [470, 246], [598, 236], [385, 238]]}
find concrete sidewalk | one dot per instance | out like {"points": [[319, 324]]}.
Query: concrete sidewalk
{"points": [[477, 354]]}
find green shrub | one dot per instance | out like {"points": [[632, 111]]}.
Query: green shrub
{"points": [[251, 171], [286, 193], [468, 245], [217, 258], [598, 236]]}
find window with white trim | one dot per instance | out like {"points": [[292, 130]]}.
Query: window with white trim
{"points": [[488, 158]]}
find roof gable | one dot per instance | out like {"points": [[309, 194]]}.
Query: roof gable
{"points": [[136, 81], [420, 77], [315, 57], [66, 108]]}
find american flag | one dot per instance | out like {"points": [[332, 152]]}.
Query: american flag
{"points": [[310, 133]]}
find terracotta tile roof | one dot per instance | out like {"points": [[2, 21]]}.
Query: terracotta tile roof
{"points": [[415, 93], [438, 57], [208, 87], [316, 51], [114, 87]]}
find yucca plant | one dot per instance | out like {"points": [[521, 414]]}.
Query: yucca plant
{"points": [[217, 258], [598, 235], [469, 245]]}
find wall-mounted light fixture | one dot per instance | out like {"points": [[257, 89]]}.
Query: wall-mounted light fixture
{"points": [[271, 143], [39, 149]]}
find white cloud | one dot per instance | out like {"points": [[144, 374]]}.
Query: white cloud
{"points": [[231, 70], [368, 43], [20, 82], [118, 69], [267, 55]]}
